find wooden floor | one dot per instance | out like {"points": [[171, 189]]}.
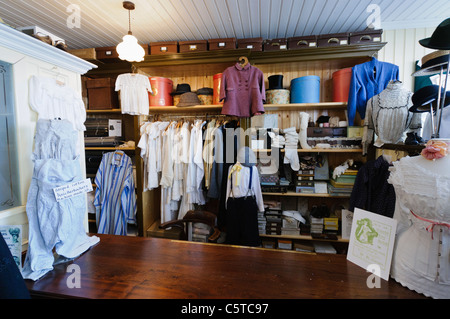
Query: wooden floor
{"points": [[136, 267]]}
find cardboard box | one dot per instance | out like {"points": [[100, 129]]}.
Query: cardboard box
{"points": [[334, 39], [366, 36], [222, 44], [168, 47], [102, 94], [275, 44], [254, 44], [193, 46], [296, 43]]}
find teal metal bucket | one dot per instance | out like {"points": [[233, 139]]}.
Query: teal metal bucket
{"points": [[305, 89]]}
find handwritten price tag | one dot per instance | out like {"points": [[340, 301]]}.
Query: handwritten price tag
{"points": [[72, 189]]}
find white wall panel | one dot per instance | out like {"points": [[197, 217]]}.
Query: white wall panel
{"points": [[403, 49]]}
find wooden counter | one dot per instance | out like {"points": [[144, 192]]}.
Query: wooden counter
{"points": [[137, 267]]}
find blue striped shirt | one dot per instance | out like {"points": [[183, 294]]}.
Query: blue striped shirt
{"points": [[115, 198]]}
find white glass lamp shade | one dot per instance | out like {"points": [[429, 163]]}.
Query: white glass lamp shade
{"points": [[130, 50]]}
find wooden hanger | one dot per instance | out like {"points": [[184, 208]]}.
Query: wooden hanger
{"points": [[243, 61]]}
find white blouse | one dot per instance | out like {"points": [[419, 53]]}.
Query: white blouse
{"points": [[54, 101], [238, 182], [388, 115], [134, 90], [422, 247]]}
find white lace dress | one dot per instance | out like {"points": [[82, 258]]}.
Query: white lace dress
{"points": [[421, 258], [388, 116]]}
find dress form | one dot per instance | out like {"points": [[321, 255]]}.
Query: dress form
{"points": [[421, 253]]}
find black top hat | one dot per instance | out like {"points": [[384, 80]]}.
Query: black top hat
{"points": [[426, 95], [182, 88], [440, 39], [275, 82]]}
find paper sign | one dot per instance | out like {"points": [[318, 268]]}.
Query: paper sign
{"points": [[13, 238], [347, 220], [72, 189], [372, 241]]}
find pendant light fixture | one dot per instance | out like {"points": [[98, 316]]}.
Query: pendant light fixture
{"points": [[129, 49]]}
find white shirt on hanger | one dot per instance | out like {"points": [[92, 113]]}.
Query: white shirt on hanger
{"points": [[134, 90]]}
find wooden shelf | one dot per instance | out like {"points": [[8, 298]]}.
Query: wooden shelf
{"points": [[291, 193], [267, 107], [262, 57], [305, 237], [111, 148], [104, 111], [320, 150]]}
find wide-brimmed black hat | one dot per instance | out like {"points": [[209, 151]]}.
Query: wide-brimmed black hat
{"points": [[182, 88], [440, 39], [275, 82], [426, 95]]}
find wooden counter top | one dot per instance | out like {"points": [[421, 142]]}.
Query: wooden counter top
{"points": [[137, 267]]}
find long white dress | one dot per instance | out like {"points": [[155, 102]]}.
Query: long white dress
{"points": [[421, 258]]}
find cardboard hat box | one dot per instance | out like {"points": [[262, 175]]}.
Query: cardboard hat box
{"points": [[222, 44], [167, 47], [193, 46]]}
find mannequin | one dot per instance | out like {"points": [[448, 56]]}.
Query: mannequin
{"points": [[422, 248]]}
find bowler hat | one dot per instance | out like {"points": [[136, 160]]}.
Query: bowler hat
{"points": [[426, 95], [188, 99], [182, 88], [275, 82], [440, 39], [205, 91]]}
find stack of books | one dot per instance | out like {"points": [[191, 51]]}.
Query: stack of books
{"points": [[200, 232], [343, 184], [316, 225], [273, 221], [331, 225], [305, 181], [290, 226], [262, 223]]}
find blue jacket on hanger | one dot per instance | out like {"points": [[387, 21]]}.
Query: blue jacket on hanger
{"points": [[368, 79]]}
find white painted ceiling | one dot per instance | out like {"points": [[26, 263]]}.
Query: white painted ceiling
{"points": [[105, 22]]}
